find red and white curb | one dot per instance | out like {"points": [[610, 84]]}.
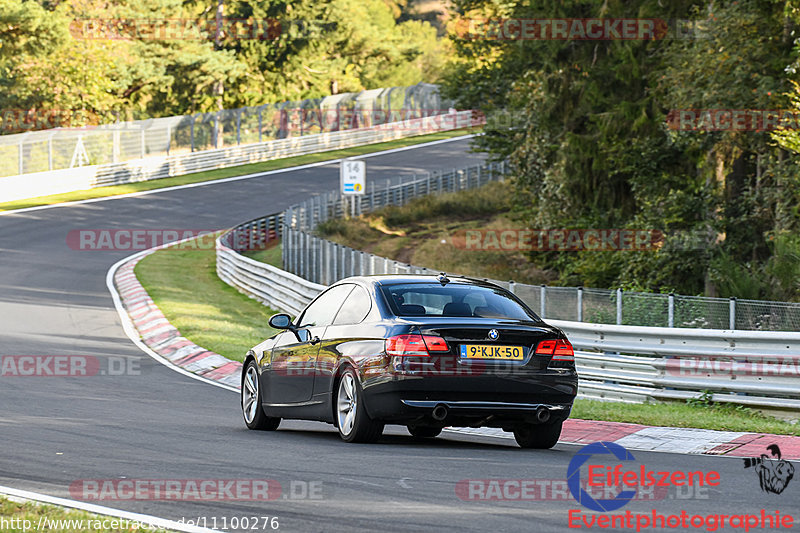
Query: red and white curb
{"points": [[162, 338], [664, 439], [166, 344]]}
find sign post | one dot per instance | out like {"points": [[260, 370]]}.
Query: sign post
{"points": [[353, 179]]}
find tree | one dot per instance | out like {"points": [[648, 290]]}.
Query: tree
{"points": [[591, 147]]}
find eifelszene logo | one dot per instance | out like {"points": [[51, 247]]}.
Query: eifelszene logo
{"points": [[623, 479], [774, 474]]}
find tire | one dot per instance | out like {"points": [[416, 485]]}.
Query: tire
{"points": [[352, 419], [538, 436], [252, 411], [424, 432]]}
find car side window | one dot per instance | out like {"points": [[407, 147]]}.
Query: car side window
{"points": [[355, 308], [324, 308]]}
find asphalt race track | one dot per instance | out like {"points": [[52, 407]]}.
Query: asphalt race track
{"points": [[161, 425]]}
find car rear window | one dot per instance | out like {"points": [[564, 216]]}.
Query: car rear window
{"points": [[454, 300]]}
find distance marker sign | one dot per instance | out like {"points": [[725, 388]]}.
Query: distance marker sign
{"points": [[353, 176]]}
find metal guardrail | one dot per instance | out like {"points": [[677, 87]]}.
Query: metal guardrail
{"points": [[268, 284], [80, 178], [323, 261], [635, 364], [56, 147], [615, 362]]}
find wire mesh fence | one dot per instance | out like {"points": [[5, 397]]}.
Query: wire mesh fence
{"points": [[325, 262], [59, 148]]}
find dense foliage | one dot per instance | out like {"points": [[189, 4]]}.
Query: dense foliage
{"points": [[55, 54], [585, 124], [589, 125]]}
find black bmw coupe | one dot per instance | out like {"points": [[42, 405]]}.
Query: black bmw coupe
{"points": [[426, 352]]}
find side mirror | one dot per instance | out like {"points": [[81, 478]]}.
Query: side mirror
{"points": [[281, 321]]}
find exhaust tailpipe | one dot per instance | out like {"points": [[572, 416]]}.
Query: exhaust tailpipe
{"points": [[542, 415], [440, 413]]}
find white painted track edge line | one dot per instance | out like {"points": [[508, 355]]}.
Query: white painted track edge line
{"points": [[234, 178], [102, 510], [132, 332]]}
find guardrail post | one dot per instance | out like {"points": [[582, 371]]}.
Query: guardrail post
{"points": [[295, 251], [352, 262], [386, 265], [732, 313], [314, 260], [238, 126], [300, 249], [671, 311], [334, 262], [327, 262], [619, 306], [284, 249], [580, 304], [260, 126], [307, 260], [542, 300], [512, 286], [343, 257]]}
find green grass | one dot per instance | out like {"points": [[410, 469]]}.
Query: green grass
{"points": [[678, 414], [15, 514], [183, 283], [271, 256], [275, 164]]}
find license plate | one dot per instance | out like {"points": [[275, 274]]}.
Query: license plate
{"points": [[503, 353]]}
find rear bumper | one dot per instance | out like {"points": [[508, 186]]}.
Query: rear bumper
{"points": [[494, 402]]}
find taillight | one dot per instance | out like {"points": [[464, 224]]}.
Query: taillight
{"points": [[559, 349], [415, 345]]}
